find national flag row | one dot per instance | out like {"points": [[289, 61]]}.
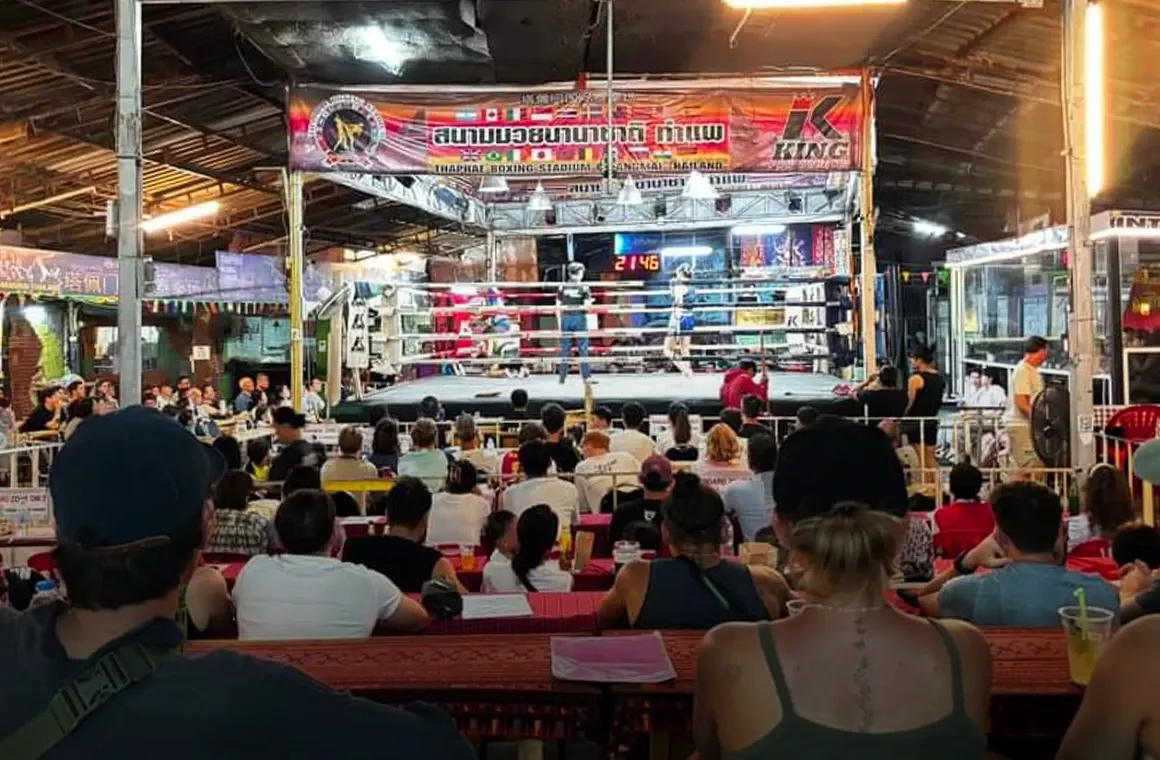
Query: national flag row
{"points": [[213, 307], [567, 153], [541, 114]]}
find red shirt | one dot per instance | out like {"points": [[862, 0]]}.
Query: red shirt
{"points": [[974, 516], [742, 385]]}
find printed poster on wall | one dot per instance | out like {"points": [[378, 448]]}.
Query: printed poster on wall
{"points": [[753, 125], [358, 339]]}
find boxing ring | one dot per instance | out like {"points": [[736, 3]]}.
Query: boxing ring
{"points": [[800, 153], [655, 391]]}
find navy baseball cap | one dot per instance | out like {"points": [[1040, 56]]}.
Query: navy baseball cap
{"points": [[130, 479]]}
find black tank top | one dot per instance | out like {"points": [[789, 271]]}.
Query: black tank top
{"points": [[682, 595], [955, 737], [928, 400]]}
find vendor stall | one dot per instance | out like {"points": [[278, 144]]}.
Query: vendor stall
{"points": [[1005, 291]]}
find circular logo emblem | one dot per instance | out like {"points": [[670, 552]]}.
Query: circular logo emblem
{"points": [[348, 129]]}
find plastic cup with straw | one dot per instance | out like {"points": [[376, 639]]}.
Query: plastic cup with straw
{"points": [[1087, 629]]}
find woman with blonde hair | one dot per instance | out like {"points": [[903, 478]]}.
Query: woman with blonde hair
{"points": [[848, 676], [722, 463]]}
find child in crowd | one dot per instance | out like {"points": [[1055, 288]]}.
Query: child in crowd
{"points": [[258, 454]]}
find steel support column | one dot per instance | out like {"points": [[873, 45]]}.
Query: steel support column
{"points": [[869, 264], [129, 200], [1081, 335], [297, 256]]}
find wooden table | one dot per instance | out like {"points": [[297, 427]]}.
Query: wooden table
{"points": [[494, 685]]}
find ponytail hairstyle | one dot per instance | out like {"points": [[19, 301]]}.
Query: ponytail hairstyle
{"points": [[536, 529], [851, 547], [923, 352], [693, 513], [679, 423]]}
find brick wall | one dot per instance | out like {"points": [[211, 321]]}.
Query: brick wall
{"points": [[23, 357]]}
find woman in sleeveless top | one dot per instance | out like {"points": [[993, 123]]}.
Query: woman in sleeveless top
{"points": [[694, 588], [925, 391], [848, 676]]}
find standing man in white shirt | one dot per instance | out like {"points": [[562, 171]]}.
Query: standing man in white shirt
{"points": [[539, 488], [603, 470], [313, 405], [306, 593], [1026, 384], [631, 439]]}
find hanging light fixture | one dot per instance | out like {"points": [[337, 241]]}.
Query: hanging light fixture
{"points": [[493, 184], [629, 194], [699, 188], [540, 200]]}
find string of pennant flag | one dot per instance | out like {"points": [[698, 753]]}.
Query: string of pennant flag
{"points": [[213, 307]]}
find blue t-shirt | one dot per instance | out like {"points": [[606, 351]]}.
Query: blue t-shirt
{"points": [[430, 466], [1023, 594]]}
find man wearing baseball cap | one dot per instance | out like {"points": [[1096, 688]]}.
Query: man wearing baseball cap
{"points": [[102, 672]]}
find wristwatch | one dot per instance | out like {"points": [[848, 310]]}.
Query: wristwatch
{"points": [[962, 569]]}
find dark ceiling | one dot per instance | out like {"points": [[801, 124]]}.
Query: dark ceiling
{"points": [[969, 117]]}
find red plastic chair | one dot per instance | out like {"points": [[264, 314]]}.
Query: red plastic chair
{"points": [[44, 564], [952, 543], [1096, 548]]}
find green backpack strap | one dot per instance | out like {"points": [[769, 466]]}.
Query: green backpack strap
{"points": [[81, 697]]}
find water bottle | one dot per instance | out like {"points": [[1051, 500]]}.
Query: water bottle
{"points": [[45, 593], [726, 537]]}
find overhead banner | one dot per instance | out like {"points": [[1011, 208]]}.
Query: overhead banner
{"points": [[762, 125]]}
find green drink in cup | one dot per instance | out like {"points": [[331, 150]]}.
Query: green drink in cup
{"points": [[1088, 630]]}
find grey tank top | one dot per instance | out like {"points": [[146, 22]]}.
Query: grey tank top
{"points": [[681, 594], [956, 736]]}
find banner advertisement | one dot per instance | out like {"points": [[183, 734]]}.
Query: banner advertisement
{"points": [[358, 339], [51, 273], [657, 128]]}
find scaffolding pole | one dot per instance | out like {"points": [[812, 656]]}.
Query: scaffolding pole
{"points": [[294, 212], [869, 264], [1081, 334], [128, 209]]}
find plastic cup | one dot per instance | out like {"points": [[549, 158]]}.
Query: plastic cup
{"points": [[466, 557], [1085, 640], [795, 606]]}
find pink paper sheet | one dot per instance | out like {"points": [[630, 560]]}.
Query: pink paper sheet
{"points": [[612, 659]]}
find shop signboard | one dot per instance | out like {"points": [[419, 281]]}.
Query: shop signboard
{"points": [[54, 274], [804, 124]]}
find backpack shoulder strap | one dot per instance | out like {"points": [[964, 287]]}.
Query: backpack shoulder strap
{"points": [[81, 697]]}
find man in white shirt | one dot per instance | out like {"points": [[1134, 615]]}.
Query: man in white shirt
{"points": [[538, 488], [602, 470], [631, 440], [313, 405], [1026, 384], [467, 438], [306, 593]]}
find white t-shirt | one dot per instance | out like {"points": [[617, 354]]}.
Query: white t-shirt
{"points": [[456, 518], [718, 476], [293, 596], [499, 578], [558, 494], [592, 482], [991, 396], [483, 459], [633, 442], [349, 468], [1025, 381]]}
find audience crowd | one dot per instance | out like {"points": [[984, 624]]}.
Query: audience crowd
{"points": [[810, 659]]}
